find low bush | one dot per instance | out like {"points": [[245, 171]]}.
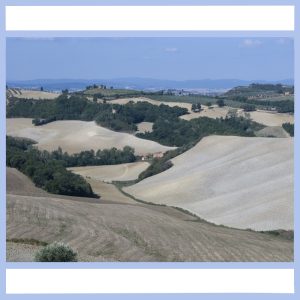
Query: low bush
{"points": [[56, 252]]}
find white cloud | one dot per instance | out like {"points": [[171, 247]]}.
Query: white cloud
{"points": [[250, 43], [173, 49]]}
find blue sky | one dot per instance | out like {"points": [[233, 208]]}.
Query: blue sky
{"points": [[159, 58]]}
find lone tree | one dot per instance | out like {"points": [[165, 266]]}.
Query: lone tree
{"points": [[196, 107], [56, 252], [220, 102]]}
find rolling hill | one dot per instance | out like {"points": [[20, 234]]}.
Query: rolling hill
{"points": [[76, 136], [235, 181], [107, 230]]}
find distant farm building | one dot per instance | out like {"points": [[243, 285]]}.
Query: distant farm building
{"points": [[150, 156]]}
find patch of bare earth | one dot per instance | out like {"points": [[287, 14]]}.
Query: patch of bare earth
{"points": [[144, 127], [32, 94], [101, 230], [235, 181], [109, 173], [272, 131], [76, 136]]}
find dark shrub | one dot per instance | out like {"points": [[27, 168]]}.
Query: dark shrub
{"points": [[56, 252]]}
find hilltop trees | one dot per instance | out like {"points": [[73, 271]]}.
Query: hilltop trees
{"points": [[75, 107], [178, 132]]}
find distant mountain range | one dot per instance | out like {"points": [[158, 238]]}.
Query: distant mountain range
{"points": [[139, 83]]}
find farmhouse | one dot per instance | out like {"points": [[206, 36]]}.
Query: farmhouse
{"points": [[152, 155]]}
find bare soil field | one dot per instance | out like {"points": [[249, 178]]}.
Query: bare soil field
{"points": [[271, 118], [102, 230], [109, 192], [121, 172], [214, 112], [31, 94], [259, 116], [153, 102], [272, 131], [76, 136], [144, 127], [235, 181]]}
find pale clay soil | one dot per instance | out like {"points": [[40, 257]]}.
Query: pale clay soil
{"points": [[144, 127], [109, 173], [274, 131], [76, 136], [107, 230], [235, 181]]}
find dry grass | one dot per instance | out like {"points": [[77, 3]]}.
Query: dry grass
{"points": [[271, 118], [102, 230], [31, 94], [236, 181]]}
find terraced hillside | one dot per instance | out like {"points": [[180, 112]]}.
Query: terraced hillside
{"points": [[239, 182], [106, 230]]}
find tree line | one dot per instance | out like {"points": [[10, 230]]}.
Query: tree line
{"points": [[282, 106], [178, 132], [75, 107], [46, 173], [111, 156]]}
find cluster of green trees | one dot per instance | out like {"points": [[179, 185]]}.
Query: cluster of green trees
{"points": [[248, 107], [196, 107], [220, 102], [281, 106], [111, 156], [289, 128], [48, 174], [75, 107], [178, 132], [159, 165], [262, 88]]}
